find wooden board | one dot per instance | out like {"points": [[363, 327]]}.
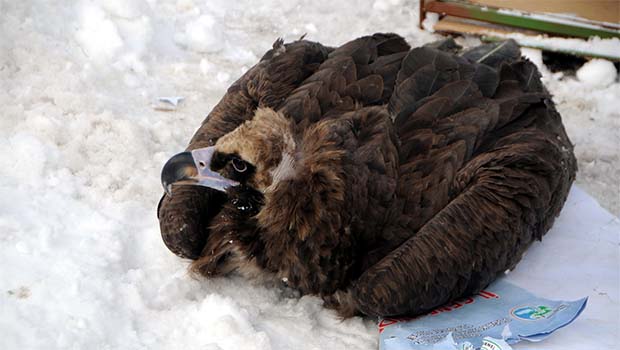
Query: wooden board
{"points": [[491, 32], [552, 24], [596, 10]]}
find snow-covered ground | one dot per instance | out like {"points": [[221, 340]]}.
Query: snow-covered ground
{"points": [[81, 147]]}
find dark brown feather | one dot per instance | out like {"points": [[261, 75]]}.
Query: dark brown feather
{"points": [[416, 176]]}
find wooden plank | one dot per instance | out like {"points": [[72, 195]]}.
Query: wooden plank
{"points": [[595, 10], [422, 14], [452, 24], [493, 15], [449, 24]]}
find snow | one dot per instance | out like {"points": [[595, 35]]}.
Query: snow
{"points": [[597, 73], [591, 115], [82, 147], [429, 21], [536, 57], [98, 35], [202, 35]]}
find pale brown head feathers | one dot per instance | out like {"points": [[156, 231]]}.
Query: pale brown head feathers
{"points": [[266, 141]]}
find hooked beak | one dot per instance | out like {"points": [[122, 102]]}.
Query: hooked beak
{"points": [[193, 168]]}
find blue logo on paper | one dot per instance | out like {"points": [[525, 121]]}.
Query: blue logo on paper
{"points": [[532, 313]]}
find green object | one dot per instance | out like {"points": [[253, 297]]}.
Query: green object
{"points": [[542, 311]]}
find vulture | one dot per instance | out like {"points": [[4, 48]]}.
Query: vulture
{"points": [[384, 179]]}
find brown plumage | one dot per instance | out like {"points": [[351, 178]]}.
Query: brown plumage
{"points": [[386, 180]]}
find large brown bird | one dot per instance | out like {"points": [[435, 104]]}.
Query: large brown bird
{"points": [[386, 180]]}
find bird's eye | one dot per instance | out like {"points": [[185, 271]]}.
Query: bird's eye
{"points": [[239, 165]]}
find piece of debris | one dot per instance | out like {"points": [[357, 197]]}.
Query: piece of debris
{"points": [[167, 104], [500, 315], [20, 293]]}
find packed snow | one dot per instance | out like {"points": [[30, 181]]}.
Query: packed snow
{"points": [[83, 141], [597, 73]]}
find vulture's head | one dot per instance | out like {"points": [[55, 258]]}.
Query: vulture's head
{"points": [[253, 157], [243, 165]]}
